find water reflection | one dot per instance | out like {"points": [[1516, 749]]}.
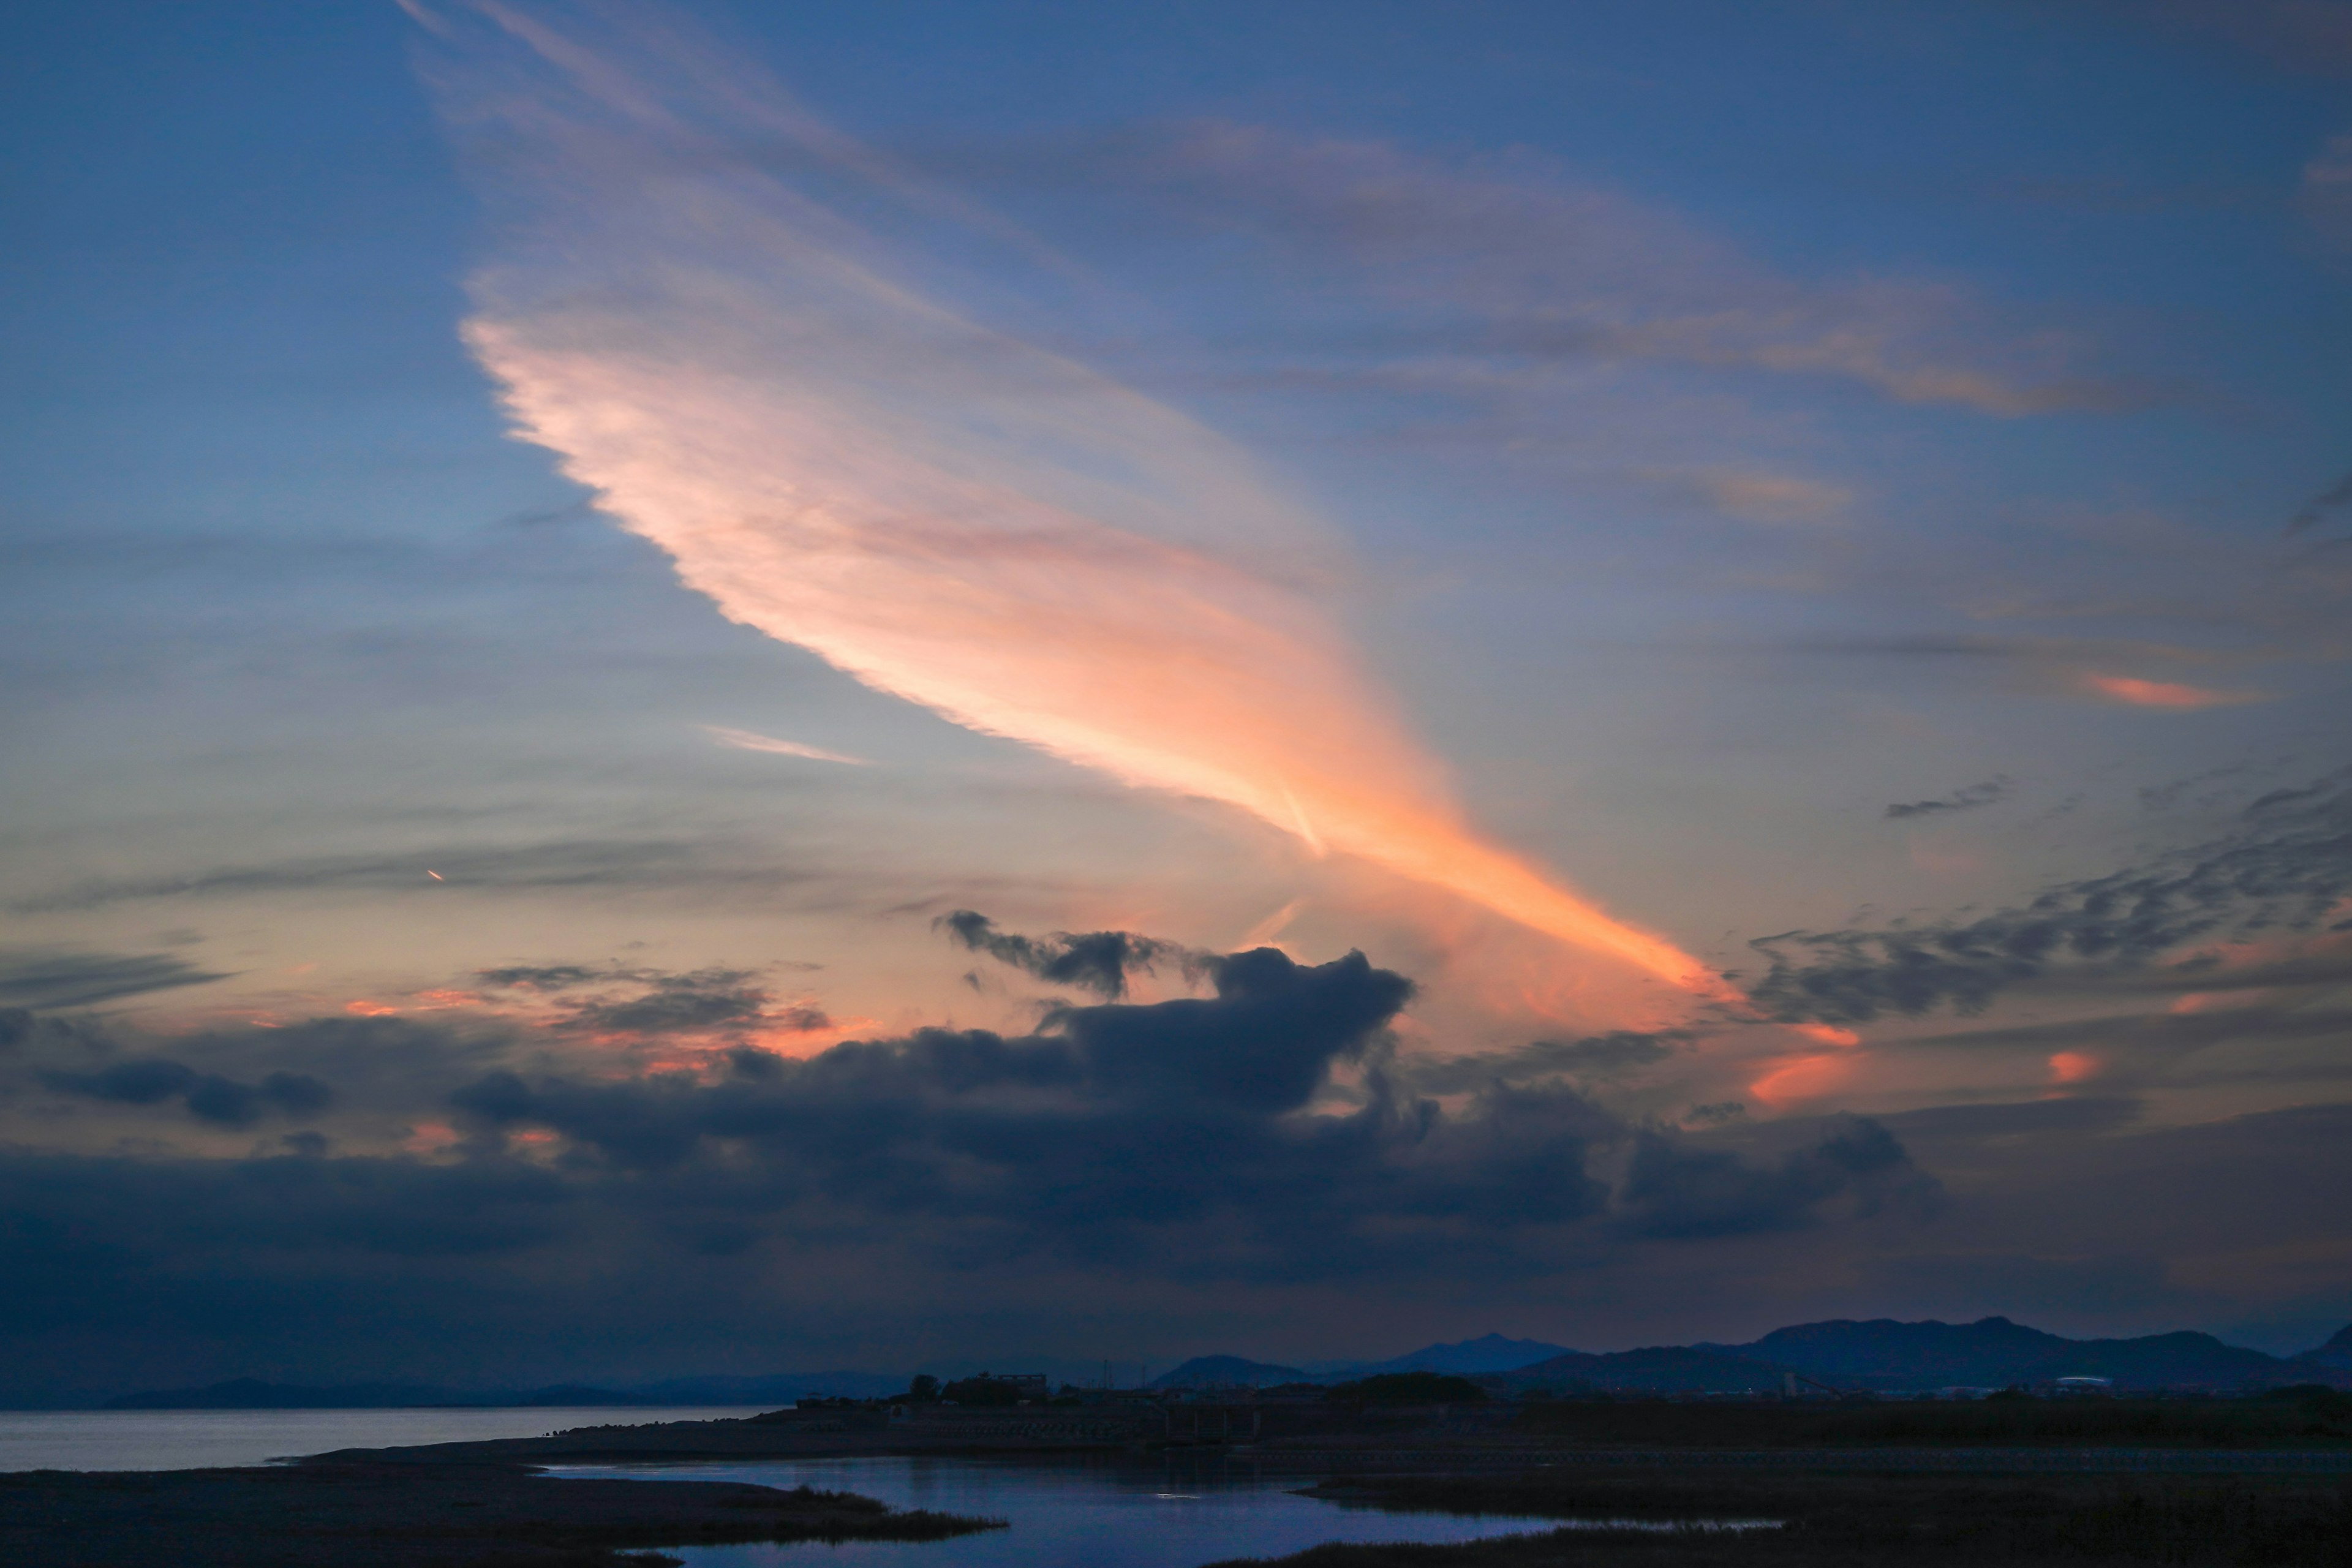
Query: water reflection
{"points": [[1106, 1515], [194, 1440]]}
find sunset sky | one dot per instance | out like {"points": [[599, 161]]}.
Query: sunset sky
{"points": [[748, 687]]}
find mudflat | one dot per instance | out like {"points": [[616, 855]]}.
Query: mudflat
{"points": [[334, 1515]]}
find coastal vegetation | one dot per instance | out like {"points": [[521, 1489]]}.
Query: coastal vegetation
{"points": [[2308, 1416], [1408, 1388]]}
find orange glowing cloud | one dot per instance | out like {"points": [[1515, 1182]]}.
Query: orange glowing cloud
{"points": [[2072, 1067], [2137, 693], [1804, 1077], [949, 514]]}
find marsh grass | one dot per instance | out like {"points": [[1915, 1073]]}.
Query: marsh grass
{"points": [[2317, 1418]]}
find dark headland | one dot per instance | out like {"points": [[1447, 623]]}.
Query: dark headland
{"points": [[335, 1515]]}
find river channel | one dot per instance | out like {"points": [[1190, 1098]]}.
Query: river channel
{"points": [[1178, 1515]]}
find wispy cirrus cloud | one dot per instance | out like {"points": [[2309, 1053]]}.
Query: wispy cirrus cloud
{"points": [[1491, 269], [559, 864], [836, 457]]}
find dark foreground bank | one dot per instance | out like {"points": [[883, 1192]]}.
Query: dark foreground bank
{"points": [[412, 1516], [1850, 1521]]}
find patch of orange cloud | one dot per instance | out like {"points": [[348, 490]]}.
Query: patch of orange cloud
{"points": [[430, 1138], [1827, 1033], [437, 999], [2072, 1067], [2137, 693], [370, 1009], [1807, 1077], [952, 516]]}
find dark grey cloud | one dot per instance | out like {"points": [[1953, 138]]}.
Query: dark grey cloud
{"points": [[54, 978], [1675, 1191], [1591, 1056], [1175, 1138], [1172, 1137], [1098, 961], [21, 1028], [2282, 871], [689, 1002], [208, 1096], [547, 976], [1967, 798]]}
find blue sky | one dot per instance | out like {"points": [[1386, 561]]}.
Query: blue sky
{"points": [[1545, 496]]}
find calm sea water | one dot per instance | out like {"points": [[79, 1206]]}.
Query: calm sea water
{"points": [[1069, 1516], [192, 1439]]}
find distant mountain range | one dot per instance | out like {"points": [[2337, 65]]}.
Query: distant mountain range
{"points": [[1881, 1354], [1228, 1371], [1487, 1354]]}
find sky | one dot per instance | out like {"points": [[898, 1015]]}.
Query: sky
{"points": [[742, 688]]}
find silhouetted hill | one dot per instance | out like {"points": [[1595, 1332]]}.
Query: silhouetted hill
{"points": [[1212, 1371], [1660, 1369], [1488, 1353], [1994, 1353], [2335, 1354]]}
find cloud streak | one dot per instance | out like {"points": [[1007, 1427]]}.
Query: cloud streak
{"points": [[750, 740], [837, 458], [55, 979], [2134, 692], [1509, 269], [1968, 798], [2286, 871]]}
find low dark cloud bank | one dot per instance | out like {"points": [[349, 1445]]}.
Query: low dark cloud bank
{"points": [[1672, 1190], [422, 1195], [2282, 872], [1245, 1144], [208, 1096]]}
